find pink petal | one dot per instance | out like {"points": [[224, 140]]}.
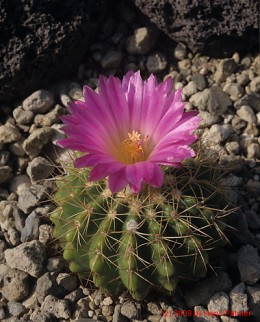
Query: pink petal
{"points": [[143, 171], [168, 121], [126, 80], [174, 155], [101, 171], [89, 160], [171, 140], [99, 107], [134, 96], [181, 131], [155, 106], [166, 86], [112, 110], [117, 181]]}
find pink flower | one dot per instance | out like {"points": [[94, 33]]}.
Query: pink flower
{"points": [[128, 129]]}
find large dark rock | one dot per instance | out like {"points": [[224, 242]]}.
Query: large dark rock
{"points": [[205, 24], [43, 39]]}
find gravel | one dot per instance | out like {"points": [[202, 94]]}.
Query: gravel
{"points": [[35, 283]]}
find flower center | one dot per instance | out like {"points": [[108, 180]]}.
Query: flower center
{"points": [[133, 149]]}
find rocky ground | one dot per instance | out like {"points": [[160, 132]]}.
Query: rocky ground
{"points": [[35, 283]]}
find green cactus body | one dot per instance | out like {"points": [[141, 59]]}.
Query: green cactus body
{"points": [[145, 241]]}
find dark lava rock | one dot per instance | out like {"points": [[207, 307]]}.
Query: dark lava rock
{"points": [[43, 40], [206, 23]]}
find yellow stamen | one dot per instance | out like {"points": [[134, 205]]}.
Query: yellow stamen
{"points": [[133, 149]]}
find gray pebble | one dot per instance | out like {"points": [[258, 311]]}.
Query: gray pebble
{"points": [[37, 316], [142, 42], [154, 308], [12, 236], [20, 182], [213, 99], [185, 66], [112, 59], [246, 61], [255, 84], [28, 257], [59, 308], [256, 65], [169, 314], [117, 316], [180, 51], [9, 133], [75, 295], [55, 264], [46, 285], [129, 310], [107, 301], [237, 123], [238, 299], [39, 168], [232, 147], [14, 283], [67, 281], [22, 163], [252, 100], [31, 301], [234, 90], [65, 99], [17, 148], [22, 116], [248, 264], [253, 151], [243, 78], [39, 102], [75, 91], [208, 119], [219, 303], [246, 113], [30, 231], [5, 173], [254, 299], [36, 141], [92, 306], [199, 80], [107, 310], [11, 216], [50, 118], [156, 63], [190, 89], [218, 133], [30, 197], [45, 233], [251, 130], [15, 308], [225, 68], [82, 308]]}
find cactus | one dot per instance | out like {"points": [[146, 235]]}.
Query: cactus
{"points": [[144, 241]]}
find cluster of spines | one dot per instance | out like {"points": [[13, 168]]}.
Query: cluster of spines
{"points": [[145, 241]]}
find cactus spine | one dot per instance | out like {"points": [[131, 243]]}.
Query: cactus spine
{"points": [[145, 241]]}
